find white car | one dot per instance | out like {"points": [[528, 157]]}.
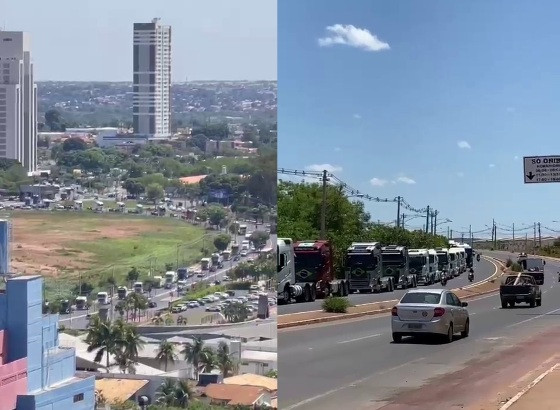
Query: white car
{"points": [[243, 253], [193, 304], [430, 312]]}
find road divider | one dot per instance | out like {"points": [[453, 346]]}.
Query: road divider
{"points": [[484, 287]]}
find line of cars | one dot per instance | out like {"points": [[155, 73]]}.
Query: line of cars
{"points": [[305, 269], [440, 312]]}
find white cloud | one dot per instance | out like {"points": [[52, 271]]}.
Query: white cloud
{"points": [[491, 165], [352, 36], [460, 174], [377, 182], [321, 167], [357, 116], [463, 145], [406, 180]]}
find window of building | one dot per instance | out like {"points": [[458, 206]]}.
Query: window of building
{"points": [[78, 397]]}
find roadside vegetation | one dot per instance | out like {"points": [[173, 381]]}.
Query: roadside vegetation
{"points": [[299, 218], [335, 304]]}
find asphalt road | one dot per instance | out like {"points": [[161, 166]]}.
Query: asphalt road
{"points": [[482, 270], [354, 364], [78, 319]]}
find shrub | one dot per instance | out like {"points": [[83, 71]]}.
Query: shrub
{"points": [[239, 285], [336, 305], [516, 267], [509, 262]]}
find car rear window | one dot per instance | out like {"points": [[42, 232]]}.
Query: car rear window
{"points": [[420, 297]]}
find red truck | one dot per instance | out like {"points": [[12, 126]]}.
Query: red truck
{"points": [[314, 272]]}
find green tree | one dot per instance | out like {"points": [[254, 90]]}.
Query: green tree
{"points": [[224, 361], [259, 239], [194, 352], [133, 274], [74, 144], [215, 214], [166, 353], [222, 241], [154, 192]]}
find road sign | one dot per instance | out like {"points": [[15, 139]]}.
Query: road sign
{"points": [[542, 169]]}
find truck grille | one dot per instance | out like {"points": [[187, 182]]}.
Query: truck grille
{"points": [[356, 283]]}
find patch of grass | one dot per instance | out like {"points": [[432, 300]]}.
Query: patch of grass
{"points": [[336, 305], [200, 293]]}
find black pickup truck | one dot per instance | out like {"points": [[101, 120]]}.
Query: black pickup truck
{"points": [[520, 288]]}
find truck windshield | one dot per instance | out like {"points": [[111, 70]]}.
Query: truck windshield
{"points": [[393, 259], [417, 262], [442, 258], [362, 261], [307, 261], [532, 264]]}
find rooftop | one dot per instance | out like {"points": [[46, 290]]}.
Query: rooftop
{"points": [[116, 390], [249, 379], [234, 394]]}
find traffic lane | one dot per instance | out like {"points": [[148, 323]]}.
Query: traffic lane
{"points": [[482, 270], [319, 359]]}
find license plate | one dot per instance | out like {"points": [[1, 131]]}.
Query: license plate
{"points": [[415, 326]]}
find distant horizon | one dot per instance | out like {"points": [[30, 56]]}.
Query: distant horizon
{"points": [[176, 82]]}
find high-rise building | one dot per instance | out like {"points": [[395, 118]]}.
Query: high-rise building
{"points": [[18, 100], [151, 105]]}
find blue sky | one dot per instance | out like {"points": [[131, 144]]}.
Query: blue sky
{"points": [[435, 101], [92, 39]]}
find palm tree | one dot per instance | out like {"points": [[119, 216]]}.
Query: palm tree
{"points": [[224, 360], [193, 353], [168, 319], [166, 394], [137, 303], [131, 341], [236, 312], [166, 353], [103, 337], [207, 360], [183, 393]]}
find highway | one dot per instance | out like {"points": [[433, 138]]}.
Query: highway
{"points": [[482, 270], [354, 364], [78, 319]]}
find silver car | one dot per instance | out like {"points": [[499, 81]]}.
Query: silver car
{"points": [[430, 312]]}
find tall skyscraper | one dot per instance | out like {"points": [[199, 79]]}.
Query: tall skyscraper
{"points": [[151, 105], [18, 100]]}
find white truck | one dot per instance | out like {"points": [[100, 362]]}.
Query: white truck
{"points": [[434, 264], [159, 282], [396, 267], [226, 255], [170, 279], [138, 287], [205, 263], [122, 292], [285, 269], [103, 298], [81, 303], [420, 266], [455, 261], [444, 262]]}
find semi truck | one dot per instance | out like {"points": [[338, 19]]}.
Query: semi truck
{"points": [[170, 279], [444, 264], [434, 264], [469, 254], [455, 261], [363, 268], [226, 255], [205, 263], [103, 298], [532, 266], [242, 230], [420, 267], [234, 249], [395, 261], [138, 287], [182, 273], [159, 282], [285, 269], [122, 292], [81, 303], [314, 275], [217, 260]]}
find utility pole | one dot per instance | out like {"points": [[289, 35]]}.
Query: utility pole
{"points": [[435, 222], [534, 237], [427, 218], [540, 242], [462, 237], [398, 211], [514, 247], [448, 237], [324, 207], [402, 220], [470, 234], [526, 239], [451, 237]]}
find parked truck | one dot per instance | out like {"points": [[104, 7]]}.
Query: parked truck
{"points": [[363, 268], [420, 267], [285, 269], [396, 267], [216, 259], [444, 264], [532, 266], [205, 263], [314, 275], [182, 273], [434, 264], [520, 288]]}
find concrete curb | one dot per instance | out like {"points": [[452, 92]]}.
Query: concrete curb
{"points": [[518, 396], [344, 316]]}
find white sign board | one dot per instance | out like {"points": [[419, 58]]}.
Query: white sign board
{"points": [[541, 170]]}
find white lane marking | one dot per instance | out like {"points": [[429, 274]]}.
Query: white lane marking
{"points": [[359, 338], [364, 379], [396, 300], [515, 398], [535, 317]]}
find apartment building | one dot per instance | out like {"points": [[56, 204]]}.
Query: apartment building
{"points": [[18, 100], [151, 104]]}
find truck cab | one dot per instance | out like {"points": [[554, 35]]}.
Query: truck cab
{"points": [[533, 266], [182, 273], [103, 298], [205, 263], [138, 287], [363, 267], [434, 264], [444, 262], [81, 303], [122, 292], [420, 266], [158, 282], [396, 268], [455, 261], [285, 269]]}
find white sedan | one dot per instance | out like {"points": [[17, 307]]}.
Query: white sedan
{"points": [[430, 312]]}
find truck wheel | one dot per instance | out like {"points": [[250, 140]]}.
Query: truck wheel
{"points": [[532, 303], [539, 302], [504, 304], [306, 294], [343, 289], [313, 294]]}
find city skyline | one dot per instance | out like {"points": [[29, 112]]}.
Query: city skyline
{"points": [[226, 47], [408, 103]]}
